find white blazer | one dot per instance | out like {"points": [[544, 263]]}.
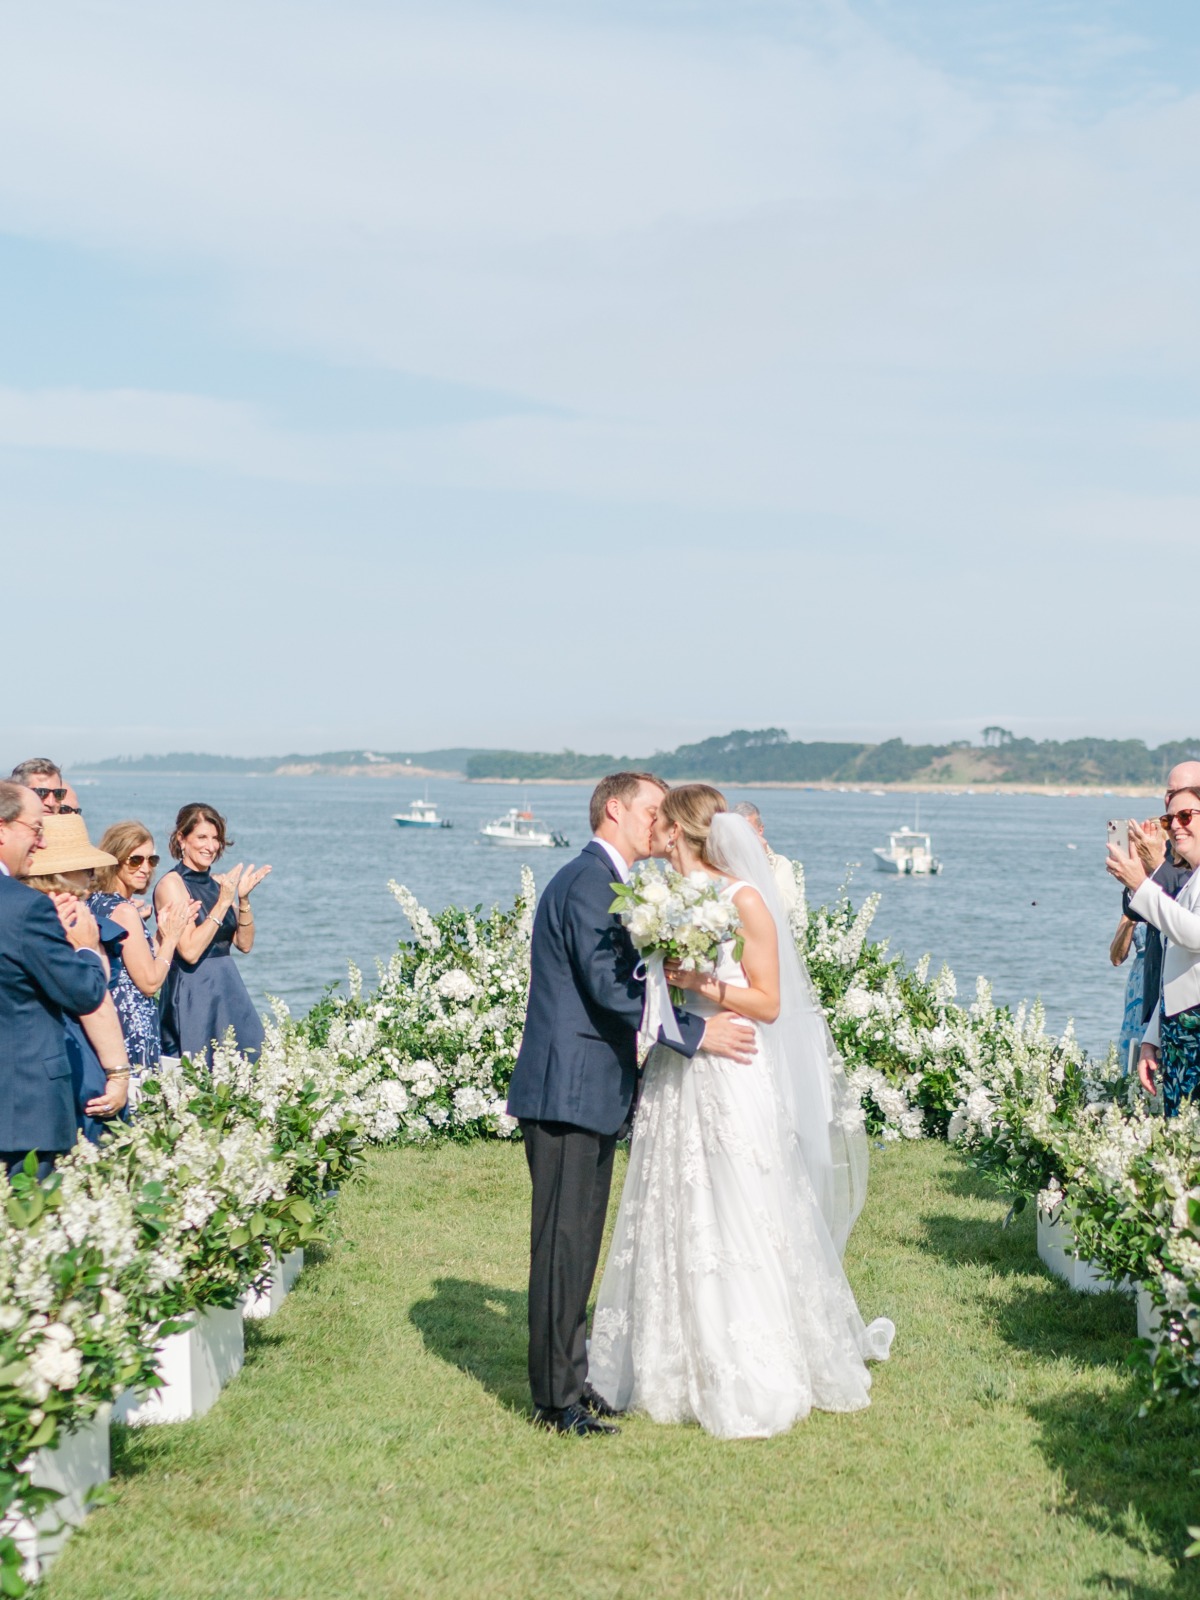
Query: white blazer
{"points": [[1179, 921]]}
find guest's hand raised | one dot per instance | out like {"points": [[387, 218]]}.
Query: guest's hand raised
{"points": [[78, 923], [1126, 866], [251, 879], [229, 885], [174, 918], [1148, 839]]}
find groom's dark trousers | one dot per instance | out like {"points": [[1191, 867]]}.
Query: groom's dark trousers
{"points": [[571, 1171], [573, 1090]]}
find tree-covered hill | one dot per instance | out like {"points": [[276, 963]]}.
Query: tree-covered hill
{"points": [[767, 755]]}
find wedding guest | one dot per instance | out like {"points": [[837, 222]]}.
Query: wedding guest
{"points": [[44, 777], [1171, 1046], [781, 867], [1168, 872], [204, 995], [95, 1045], [70, 806], [140, 967], [1130, 935], [49, 963]]}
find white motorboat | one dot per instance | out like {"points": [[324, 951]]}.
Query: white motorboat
{"points": [[908, 853], [518, 827], [420, 814]]}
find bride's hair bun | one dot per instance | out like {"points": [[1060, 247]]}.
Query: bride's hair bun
{"points": [[691, 808]]}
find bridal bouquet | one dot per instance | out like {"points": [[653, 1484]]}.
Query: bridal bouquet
{"points": [[676, 918]]}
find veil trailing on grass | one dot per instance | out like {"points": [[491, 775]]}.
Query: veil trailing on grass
{"points": [[823, 1113]]}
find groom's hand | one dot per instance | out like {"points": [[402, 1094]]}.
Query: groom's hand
{"points": [[728, 1036]]}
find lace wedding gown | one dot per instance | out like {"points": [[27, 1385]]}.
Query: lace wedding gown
{"points": [[723, 1300]]}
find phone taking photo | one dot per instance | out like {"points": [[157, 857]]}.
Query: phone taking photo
{"points": [[1118, 834]]}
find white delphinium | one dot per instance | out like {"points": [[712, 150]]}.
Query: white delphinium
{"points": [[425, 929]]}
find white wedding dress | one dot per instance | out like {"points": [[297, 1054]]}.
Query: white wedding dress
{"points": [[723, 1300]]}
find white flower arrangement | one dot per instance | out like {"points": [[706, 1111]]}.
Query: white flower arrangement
{"points": [[683, 918]]}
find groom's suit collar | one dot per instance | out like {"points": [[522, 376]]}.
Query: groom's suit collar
{"points": [[610, 854]]}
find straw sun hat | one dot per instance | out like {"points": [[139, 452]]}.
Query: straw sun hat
{"points": [[67, 849]]}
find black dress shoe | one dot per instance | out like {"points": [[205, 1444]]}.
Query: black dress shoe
{"points": [[571, 1419], [596, 1404]]}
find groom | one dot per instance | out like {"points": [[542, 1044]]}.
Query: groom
{"points": [[574, 1084]]}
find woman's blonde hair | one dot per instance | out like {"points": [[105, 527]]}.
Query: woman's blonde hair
{"points": [[56, 883], [691, 808], [121, 840]]}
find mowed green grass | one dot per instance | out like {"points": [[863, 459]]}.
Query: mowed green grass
{"points": [[377, 1442]]}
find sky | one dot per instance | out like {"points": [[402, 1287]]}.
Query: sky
{"points": [[595, 375]]}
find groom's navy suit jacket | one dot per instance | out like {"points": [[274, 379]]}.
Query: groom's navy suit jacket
{"points": [[578, 1058], [41, 976]]}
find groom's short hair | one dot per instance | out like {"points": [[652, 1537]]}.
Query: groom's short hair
{"points": [[618, 786]]}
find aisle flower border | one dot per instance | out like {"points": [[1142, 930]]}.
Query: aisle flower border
{"points": [[1021, 1104], [225, 1170]]}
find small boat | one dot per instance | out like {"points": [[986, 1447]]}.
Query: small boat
{"points": [[908, 853], [523, 828], [420, 814]]}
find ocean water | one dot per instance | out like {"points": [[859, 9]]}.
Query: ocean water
{"points": [[1023, 900]]}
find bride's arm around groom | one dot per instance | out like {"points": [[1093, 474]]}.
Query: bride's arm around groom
{"points": [[574, 1085]]}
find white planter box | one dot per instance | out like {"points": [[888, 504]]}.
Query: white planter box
{"points": [[194, 1366], [283, 1275], [1149, 1322], [76, 1464], [1056, 1247], [1055, 1244]]}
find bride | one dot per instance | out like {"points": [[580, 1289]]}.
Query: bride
{"points": [[724, 1301]]}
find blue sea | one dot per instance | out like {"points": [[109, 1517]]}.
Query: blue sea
{"points": [[1024, 898]]}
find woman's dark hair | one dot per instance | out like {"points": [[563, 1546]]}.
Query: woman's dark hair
{"points": [[189, 819]]}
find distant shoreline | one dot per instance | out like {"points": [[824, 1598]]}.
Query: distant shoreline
{"points": [[1052, 790], [823, 786]]}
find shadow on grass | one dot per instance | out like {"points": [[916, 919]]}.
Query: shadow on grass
{"points": [[1124, 1476], [982, 1242], [1127, 1477], [481, 1330]]}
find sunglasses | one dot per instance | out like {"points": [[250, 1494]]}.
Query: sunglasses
{"points": [[44, 794], [1183, 818], [70, 811], [141, 861]]}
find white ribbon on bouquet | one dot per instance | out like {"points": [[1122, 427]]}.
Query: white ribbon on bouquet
{"points": [[658, 1010]]}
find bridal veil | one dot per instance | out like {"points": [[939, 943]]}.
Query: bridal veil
{"points": [[822, 1112]]}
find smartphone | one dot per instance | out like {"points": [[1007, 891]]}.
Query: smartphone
{"points": [[1118, 834]]}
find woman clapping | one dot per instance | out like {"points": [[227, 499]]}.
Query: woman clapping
{"points": [[204, 997], [1171, 1044], [140, 969]]}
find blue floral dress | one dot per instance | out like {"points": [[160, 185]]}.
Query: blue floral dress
{"points": [[1132, 1026], [138, 1013]]}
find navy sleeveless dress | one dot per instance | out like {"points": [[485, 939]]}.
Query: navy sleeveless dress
{"points": [[203, 999]]}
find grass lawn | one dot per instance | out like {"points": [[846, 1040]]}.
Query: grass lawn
{"points": [[376, 1443]]}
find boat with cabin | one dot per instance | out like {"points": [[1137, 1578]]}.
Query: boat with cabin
{"points": [[521, 828], [420, 814], [908, 853]]}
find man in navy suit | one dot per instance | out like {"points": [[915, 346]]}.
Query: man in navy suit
{"points": [[574, 1085], [50, 962]]}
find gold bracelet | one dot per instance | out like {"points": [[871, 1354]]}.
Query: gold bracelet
{"points": [[116, 1072]]}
